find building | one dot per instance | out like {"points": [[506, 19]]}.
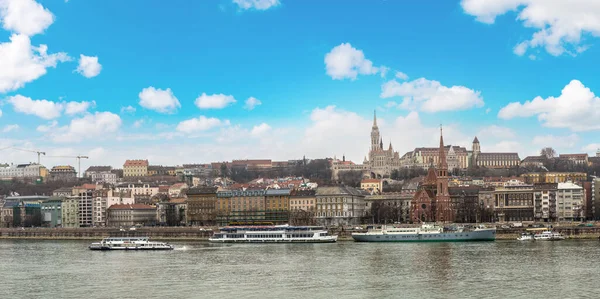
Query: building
{"points": [[27, 214], [137, 189], [340, 205], [51, 212], [570, 200], [85, 202], [339, 166], [241, 206], [277, 206], [20, 171], [381, 161], [424, 157], [545, 201], [135, 168], [588, 191], [595, 198], [131, 215], [554, 177], [177, 190], [432, 203], [201, 206], [7, 212], [492, 160], [514, 203], [65, 173], [389, 207], [487, 204], [302, 200], [372, 185], [62, 192], [533, 161], [101, 175], [465, 203], [581, 159], [172, 212], [70, 212]]}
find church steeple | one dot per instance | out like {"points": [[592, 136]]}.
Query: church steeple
{"points": [[443, 164], [374, 118], [375, 137], [381, 144], [390, 148]]}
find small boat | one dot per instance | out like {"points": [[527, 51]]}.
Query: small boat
{"points": [[129, 243], [526, 237], [426, 233], [548, 236], [272, 234]]}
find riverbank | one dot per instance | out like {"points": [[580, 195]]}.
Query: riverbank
{"points": [[202, 234]]}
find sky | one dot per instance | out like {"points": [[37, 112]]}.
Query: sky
{"points": [[202, 81]]}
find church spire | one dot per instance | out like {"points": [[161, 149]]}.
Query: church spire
{"points": [[381, 144], [390, 148], [443, 164], [374, 118]]}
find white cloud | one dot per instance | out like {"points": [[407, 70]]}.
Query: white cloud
{"points": [[554, 141], [73, 108], [10, 128], [391, 104], [90, 126], [401, 76], [41, 108], [198, 124], [138, 123], [88, 66], [256, 4], [47, 128], [24, 16], [128, 109], [497, 132], [592, 148], [214, 101], [260, 130], [577, 108], [506, 146], [431, 96], [0, 113], [159, 100], [22, 63], [251, 103], [488, 110], [383, 70], [560, 24], [346, 62]]}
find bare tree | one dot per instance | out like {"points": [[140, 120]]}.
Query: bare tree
{"points": [[548, 153]]}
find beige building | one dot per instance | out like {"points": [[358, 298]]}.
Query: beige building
{"points": [[514, 203], [133, 168], [64, 173], [340, 205], [70, 212], [372, 185], [302, 200], [570, 202], [554, 177], [138, 189], [131, 215]]}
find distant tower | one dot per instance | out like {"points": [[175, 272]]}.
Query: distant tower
{"points": [[443, 206], [598, 153], [375, 138], [476, 151], [344, 158]]}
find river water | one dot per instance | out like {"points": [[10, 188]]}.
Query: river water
{"points": [[501, 269]]}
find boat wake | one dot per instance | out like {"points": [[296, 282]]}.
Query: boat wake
{"points": [[181, 248]]}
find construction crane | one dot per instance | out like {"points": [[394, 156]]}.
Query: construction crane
{"points": [[75, 157], [31, 151]]}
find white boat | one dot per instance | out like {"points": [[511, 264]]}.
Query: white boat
{"points": [[272, 234], [526, 237], [127, 243], [548, 236], [426, 233]]}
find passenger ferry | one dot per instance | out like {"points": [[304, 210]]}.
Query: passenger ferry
{"points": [[272, 234], [548, 236], [426, 233], [125, 243]]}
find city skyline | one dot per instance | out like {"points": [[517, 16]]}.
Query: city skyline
{"points": [[274, 79]]}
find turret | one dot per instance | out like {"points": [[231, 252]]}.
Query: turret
{"points": [[476, 148], [375, 137]]}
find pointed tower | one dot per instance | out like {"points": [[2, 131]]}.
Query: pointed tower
{"points": [[443, 206], [476, 150], [381, 144], [391, 149], [375, 133]]}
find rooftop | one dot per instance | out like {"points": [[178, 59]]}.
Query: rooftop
{"points": [[135, 163], [132, 207]]}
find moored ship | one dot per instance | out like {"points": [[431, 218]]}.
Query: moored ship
{"points": [[272, 234], [426, 233], [129, 243]]}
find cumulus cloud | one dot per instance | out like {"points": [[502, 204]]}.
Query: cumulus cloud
{"points": [[88, 66], [48, 127], [347, 62], [41, 108], [251, 103], [159, 100], [201, 123], [0, 113], [10, 128], [401, 76], [577, 108], [431, 96], [497, 132], [90, 126], [25, 17], [560, 25], [73, 108], [22, 63], [128, 109], [260, 130], [554, 141], [138, 123], [214, 101], [256, 4]]}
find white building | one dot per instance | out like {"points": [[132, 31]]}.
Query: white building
{"points": [[340, 205], [30, 170], [104, 199], [138, 189], [570, 202]]}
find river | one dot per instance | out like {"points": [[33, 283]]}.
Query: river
{"points": [[501, 269]]}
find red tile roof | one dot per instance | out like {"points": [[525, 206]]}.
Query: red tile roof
{"points": [[136, 206], [135, 163]]}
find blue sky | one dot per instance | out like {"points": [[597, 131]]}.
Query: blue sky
{"points": [[170, 81]]}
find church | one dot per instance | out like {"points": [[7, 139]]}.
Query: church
{"points": [[431, 202], [381, 162]]}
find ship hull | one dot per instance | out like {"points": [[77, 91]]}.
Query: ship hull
{"points": [[472, 236]]}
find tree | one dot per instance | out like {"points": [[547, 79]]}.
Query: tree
{"points": [[351, 178], [548, 153], [224, 171]]}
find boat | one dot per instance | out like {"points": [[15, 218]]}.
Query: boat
{"points": [[526, 237], [549, 236], [129, 243], [272, 234], [425, 233]]}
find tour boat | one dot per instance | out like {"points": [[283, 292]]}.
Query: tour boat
{"points": [[272, 234], [526, 237], [548, 236], [127, 243], [425, 233]]}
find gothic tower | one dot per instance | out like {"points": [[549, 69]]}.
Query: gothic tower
{"points": [[375, 138], [476, 150], [443, 205]]}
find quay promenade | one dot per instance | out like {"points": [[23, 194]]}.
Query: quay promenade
{"points": [[203, 233]]}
